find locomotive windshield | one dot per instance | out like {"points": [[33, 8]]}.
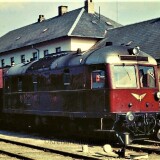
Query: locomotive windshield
{"points": [[147, 77], [125, 76]]}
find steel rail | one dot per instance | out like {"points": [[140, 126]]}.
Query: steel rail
{"points": [[64, 153], [15, 155], [144, 149]]}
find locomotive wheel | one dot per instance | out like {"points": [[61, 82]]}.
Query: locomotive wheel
{"points": [[37, 121], [158, 135]]}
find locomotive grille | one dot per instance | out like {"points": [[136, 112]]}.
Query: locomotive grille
{"points": [[134, 58]]}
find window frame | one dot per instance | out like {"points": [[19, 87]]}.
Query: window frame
{"points": [[35, 55], [101, 75], [58, 49], [46, 52], [12, 61], [123, 85], [2, 63], [144, 77], [22, 58]]}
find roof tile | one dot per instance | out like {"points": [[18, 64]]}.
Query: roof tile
{"points": [[145, 34]]}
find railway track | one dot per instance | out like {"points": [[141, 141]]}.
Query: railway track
{"points": [[25, 152], [43, 151], [14, 155], [149, 142], [30, 147], [147, 146]]}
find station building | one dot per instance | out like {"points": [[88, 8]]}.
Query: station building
{"points": [[79, 29]]}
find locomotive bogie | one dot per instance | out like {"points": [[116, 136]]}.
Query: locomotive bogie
{"points": [[139, 123]]}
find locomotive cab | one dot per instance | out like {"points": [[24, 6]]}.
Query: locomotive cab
{"points": [[134, 94]]}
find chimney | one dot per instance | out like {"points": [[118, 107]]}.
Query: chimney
{"points": [[62, 10], [41, 18], [89, 6]]}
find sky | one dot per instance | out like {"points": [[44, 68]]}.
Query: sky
{"points": [[18, 13]]}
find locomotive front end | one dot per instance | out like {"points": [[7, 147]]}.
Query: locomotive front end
{"points": [[134, 95]]}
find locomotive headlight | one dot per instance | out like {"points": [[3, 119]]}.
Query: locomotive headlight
{"points": [[136, 50], [158, 95], [130, 117]]}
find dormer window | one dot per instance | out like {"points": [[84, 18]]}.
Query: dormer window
{"points": [[109, 23], [46, 29], [18, 38]]}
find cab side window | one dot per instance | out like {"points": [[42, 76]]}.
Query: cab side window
{"points": [[147, 77], [97, 79]]}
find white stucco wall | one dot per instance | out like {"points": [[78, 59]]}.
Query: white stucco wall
{"points": [[83, 43], [28, 52], [66, 44]]}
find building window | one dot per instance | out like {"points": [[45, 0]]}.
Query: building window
{"points": [[2, 63], [35, 55], [45, 53], [22, 58], [58, 49], [12, 61]]}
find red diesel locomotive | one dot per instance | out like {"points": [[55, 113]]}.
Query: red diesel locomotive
{"points": [[112, 88]]}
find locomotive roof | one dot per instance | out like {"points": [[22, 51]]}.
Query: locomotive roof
{"points": [[18, 69], [112, 54], [107, 54]]}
